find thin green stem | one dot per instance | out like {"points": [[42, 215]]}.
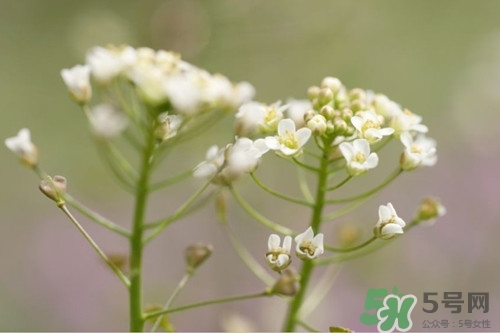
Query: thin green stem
{"points": [[320, 290], [96, 247], [307, 266], [258, 217], [171, 181], [344, 210], [205, 303], [305, 166], [351, 249], [307, 326], [136, 245], [374, 190], [159, 226], [339, 184], [174, 294], [95, 216], [279, 195], [122, 161], [252, 264]]}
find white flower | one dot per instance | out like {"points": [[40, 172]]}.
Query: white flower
{"points": [[407, 121], [297, 109], [149, 81], [243, 92], [77, 79], [248, 118], [22, 146], [389, 223], [385, 107], [368, 125], [106, 122], [309, 246], [242, 157], [214, 160], [232, 162], [168, 126], [358, 157], [185, 93], [288, 141], [105, 64], [421, 151], [278, 257]]}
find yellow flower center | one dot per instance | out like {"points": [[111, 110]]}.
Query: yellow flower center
{"points": [[289, 140], [308, 247], [415, 149], [359, 157]]}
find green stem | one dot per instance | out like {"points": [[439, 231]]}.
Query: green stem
{"points": [[305, 166], [171, 181], [307, 326], [277, 194], [174, 294], [374, 190], [159, 226], [307, 266], [351, 249], [136, 246], [258, 217], [96, 247], [339, 184], [95, 216], [205, 303]]}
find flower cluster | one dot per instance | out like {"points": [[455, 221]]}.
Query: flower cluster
{"points": [[161, 80], [307, 247], [357, 119]]}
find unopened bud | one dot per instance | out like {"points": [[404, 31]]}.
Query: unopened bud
{"points": [[327, 111], [357, 94], [357, 106], [309, 115], [347, 114], [430, 209], [313, 92], [317, 124], [54, 188], [120, 260], [196, 255], [287, 284], [331, 82], [330, 128], [325, 96], [340, 126]]}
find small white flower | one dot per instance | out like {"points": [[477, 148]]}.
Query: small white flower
{"points": [[407, 121], [278, 257], [241, 158], [297, 109], [288, 142], [243, 92], [389, 223], [358, 157], [22, 146], [214, 160], [385, 107], [368, 125], [105, 64], [185, 93], [149, 81], [421, 151], [106, 122], [248, 118], [309, 246], [168, 126], [77, 79]]}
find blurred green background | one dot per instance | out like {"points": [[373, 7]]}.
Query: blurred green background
{"points": [[441, 59]]}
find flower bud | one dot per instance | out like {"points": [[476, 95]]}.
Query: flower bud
{"points": [[327, 111], [330, 128], [325, 96], [313, 92], [430, 209], [22, 146], [332, 83], [77, 79], [54, 188], [357, 94], [347, 114], [349, 234], [167, 126], [287, 284], [196, 255], [317, 124], [340, 126], [309, 115], [357, 106]]}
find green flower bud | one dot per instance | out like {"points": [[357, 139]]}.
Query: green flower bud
{"points": [[54, 188], [196, 255]]}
